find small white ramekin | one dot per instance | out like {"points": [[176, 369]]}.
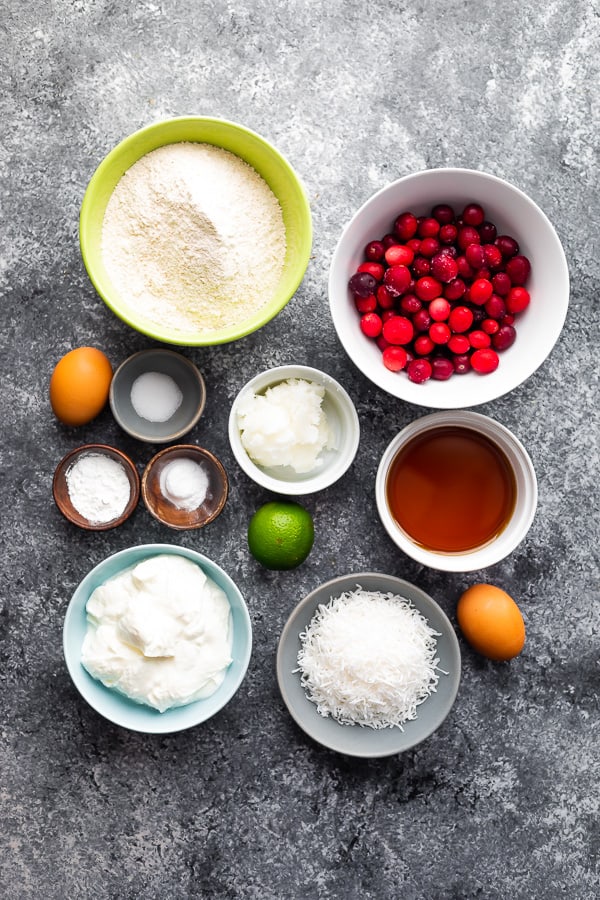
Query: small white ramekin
{"points": [[517, 526], [343, 420]]}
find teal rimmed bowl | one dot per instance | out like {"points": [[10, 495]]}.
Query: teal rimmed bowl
{"points": [[120, 709], [246, 144]]}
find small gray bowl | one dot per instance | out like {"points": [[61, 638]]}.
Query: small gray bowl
{"points": [[165, 362], [355, 740]]}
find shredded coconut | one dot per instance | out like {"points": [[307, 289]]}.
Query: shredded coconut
{"points": [[193, 238], [98, 487], [286, 426], [368, 658]]}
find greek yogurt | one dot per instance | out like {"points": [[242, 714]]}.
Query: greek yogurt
{"points": [[159, 633]]}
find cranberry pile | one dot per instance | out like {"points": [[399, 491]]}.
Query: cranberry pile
{"points": [[440, 293]]}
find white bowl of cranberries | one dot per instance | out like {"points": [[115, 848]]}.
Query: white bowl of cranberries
{"points": [[448, 288]]}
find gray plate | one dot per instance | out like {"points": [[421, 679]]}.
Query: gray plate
{"points": [[355, 740]]}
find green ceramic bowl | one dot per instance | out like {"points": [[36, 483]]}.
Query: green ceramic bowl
{"points": [[252, 148]]}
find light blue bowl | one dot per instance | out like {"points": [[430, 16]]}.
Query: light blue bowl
{"points": [[119, 709]]}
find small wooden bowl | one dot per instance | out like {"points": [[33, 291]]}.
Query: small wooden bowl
{"points": [[60, 488], [167, 512]]}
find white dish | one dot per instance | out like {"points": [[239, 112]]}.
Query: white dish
{"points": [[538, 327], [526, 489], [342, 418]]}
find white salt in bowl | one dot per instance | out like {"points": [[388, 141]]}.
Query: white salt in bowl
{"points": [[183, 377], [333, 463]]}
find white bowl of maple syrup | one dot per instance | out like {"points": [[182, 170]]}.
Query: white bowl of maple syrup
{"points": [[456, 491]]}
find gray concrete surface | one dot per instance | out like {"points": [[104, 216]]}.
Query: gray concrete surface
{"points": [[502, 802]]}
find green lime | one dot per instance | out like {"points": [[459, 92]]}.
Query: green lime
{"points": [[281, 534]]}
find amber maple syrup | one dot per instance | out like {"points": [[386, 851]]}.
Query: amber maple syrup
{"points": [[451, 489]]}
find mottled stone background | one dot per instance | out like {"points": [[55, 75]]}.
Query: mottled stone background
{"points": [[502, 802]]}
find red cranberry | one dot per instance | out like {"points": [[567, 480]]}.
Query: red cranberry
{"points": [[374, 251], [495, 307], [389, 240], [475, 256], [518, 269], [405, 226], [459, 343], [419, 370], [371, 325], [429, 247], [397, 279], [421, 266], [464, 269], [394, 358], [428, 288], [398, 330], [479, 339], [428, 227], [362, 284], [490, 326], [467, 235], [517, 300], [443, 267], [460, 319], [447, 234], [372, 268], [421, 320], [504, 337], [423, 345], [493, 257], [487, 232], [439, 309], [484, 361], [366, 304], [410, 304], [399, 255], [508, 319], [441, 368], [473, 214], [443, 213], [385, 299], [501, 283], [461, 363], [480, 291], [382, 343], [388, 314], [455, 290], [414, 244], [507, 245], [439, 333]]}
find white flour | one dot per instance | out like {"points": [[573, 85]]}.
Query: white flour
{"points": [[98, 487], [193, 238]]}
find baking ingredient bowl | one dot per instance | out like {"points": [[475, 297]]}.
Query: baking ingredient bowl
{"points": [[247, 145], [62, 496], [537, 327], [179, 510], [355, 740], [157, 374], [115, 706], [332, 463], [519, 514]]}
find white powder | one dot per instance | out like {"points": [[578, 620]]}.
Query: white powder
{"points": [[193, 238], [185, 483], [155, 396], [98, 488]]}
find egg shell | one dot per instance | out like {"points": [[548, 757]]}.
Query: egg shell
{"points": [[491, 622], [79, 385]]}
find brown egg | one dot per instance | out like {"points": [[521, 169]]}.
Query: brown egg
{"points": [[491, 622], [79, 385]]}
